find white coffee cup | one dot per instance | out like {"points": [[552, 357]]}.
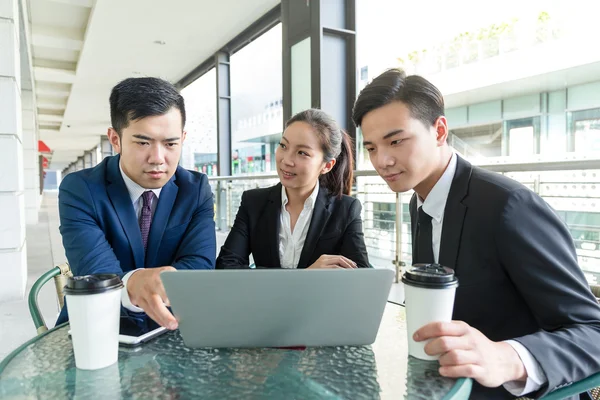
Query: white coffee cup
{"points": [[94, 303], [429, 291]]}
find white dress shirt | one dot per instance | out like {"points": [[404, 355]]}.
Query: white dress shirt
{"points": [[135, 193], [435, 205], [291, 243]]}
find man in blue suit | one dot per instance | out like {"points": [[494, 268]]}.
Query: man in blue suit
{"points": [[138, 213]]}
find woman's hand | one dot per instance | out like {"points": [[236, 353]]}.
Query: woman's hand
{"points": [[326, 261]]}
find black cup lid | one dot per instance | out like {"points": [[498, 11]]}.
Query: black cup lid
{"points": [[92, 284], [434, 276]]}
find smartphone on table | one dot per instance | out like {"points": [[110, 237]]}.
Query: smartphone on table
{"points": [[131, 335]]}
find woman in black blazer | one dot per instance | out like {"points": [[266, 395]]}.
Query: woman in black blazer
{"points": [[308, 220]]}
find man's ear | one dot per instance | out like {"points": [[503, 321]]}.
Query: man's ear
{"points": [[114, 139], [441, 129]]}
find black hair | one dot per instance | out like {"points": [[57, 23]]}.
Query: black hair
{"points": [[137, 98], [424, 100]]}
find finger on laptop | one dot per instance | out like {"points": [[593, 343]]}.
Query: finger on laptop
{"points": [[157, 310], [345, 262]]}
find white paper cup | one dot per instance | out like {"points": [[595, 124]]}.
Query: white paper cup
{"points": [[429, 291], [94, 303]]}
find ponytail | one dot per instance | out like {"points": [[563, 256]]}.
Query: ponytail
{"points": [[338, 181]]}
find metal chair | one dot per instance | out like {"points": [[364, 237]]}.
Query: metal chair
{"points": [[60, 275], [588, 385]]}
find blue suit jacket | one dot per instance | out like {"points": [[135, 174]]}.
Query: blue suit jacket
{"points": [[100, 229]]}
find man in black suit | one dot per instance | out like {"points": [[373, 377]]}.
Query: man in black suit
{"points": [[525, 321]]}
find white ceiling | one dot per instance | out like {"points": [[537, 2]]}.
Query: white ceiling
{"points": [[82, 48]]}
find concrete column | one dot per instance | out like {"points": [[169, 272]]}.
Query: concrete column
{"points": [[80, 163], [31, 159], [95, 155], [13, 251], [87, 159], [319, 58], [105, 148]]}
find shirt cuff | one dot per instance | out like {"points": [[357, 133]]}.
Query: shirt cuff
{"points": [[535, 375], [125, 301]]}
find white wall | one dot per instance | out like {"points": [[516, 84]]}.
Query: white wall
{"points": [[13, 255]]}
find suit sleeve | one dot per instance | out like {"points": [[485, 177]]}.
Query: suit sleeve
{"points": [[236, 250], [537, 251], [84, 241], [198, 246], [353, 241]]}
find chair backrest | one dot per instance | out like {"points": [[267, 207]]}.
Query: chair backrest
{"points": [[60, 275], [60, 281]]}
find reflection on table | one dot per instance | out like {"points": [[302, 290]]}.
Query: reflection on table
{"points": [[165, 369]]}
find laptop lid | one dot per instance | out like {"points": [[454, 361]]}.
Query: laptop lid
{"points": [[278, 307]]}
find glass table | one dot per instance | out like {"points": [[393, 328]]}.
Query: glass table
{"points": [[164, 368]]}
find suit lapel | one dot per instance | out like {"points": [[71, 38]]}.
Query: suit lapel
{"points": [[168, 194], [119, 197], [271, 221], [454, 214], [319, 218]]}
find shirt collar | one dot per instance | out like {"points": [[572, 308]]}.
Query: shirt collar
{"points": [[435, 203], [135, 190], [308, 203]]}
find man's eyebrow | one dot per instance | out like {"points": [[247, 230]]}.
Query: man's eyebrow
{"points": [[144, 137], [393, 133], [387, 136]]}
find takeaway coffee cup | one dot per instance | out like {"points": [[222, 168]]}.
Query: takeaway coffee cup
{"points": [[429, 297], [94, 303]]}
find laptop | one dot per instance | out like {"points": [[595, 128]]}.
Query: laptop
{"points": [[278, 307]]}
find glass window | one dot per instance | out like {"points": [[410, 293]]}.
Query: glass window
{"points": [[384, 216], [477, 141], [199, 151], [586, 130], [256, 104], [523, 136], [585, 230]]}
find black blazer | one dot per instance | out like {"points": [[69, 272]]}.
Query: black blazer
{"points": [[335, 228], [518, 275]]}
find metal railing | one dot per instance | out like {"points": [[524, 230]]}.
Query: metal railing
{"points": [[575, 194]]}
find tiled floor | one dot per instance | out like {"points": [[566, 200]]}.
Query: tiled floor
{"points": [[45, 250]]}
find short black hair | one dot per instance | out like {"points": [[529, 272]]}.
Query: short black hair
{"points": [[424, 100], [137, 98]]}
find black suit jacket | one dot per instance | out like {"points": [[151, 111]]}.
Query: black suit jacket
{"points": [[335, 228], [518, 275]]}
